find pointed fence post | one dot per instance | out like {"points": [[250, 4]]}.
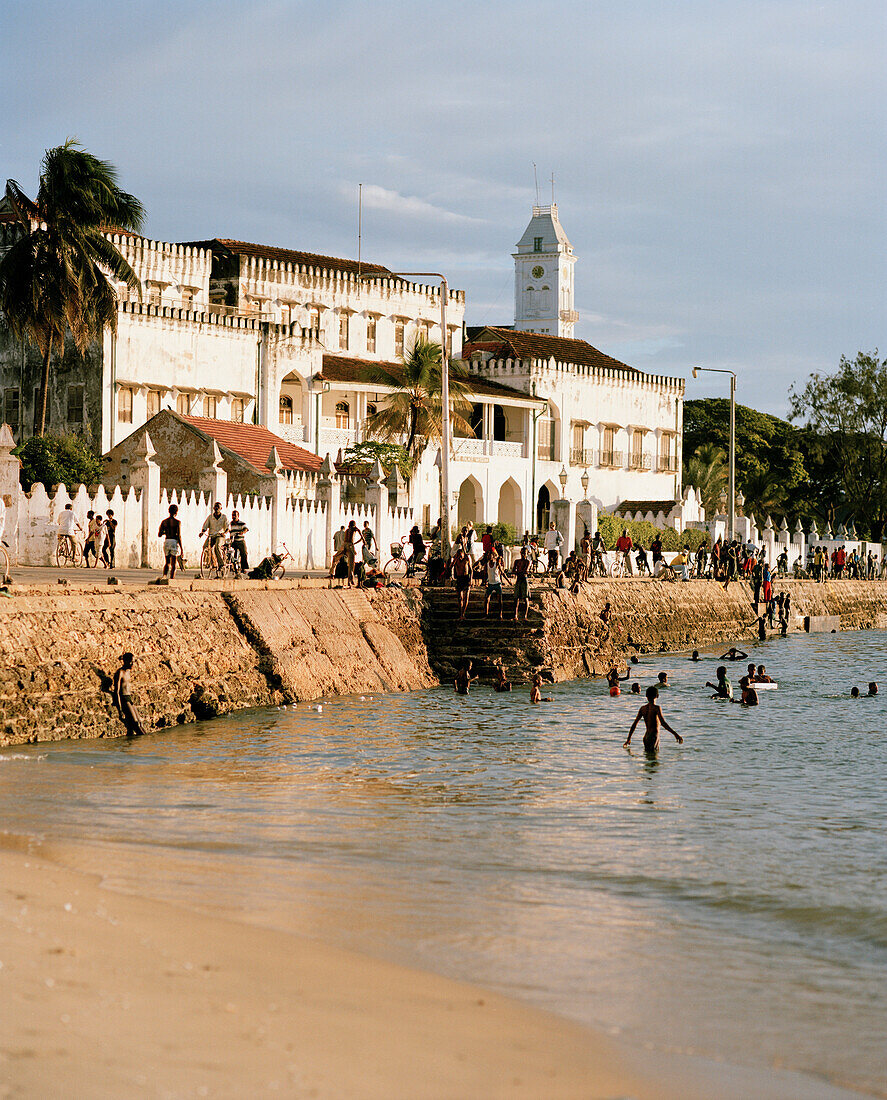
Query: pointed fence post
{"points": [[145, 476], [213, 479], [278, 487], [377, 500], [10, 489]]}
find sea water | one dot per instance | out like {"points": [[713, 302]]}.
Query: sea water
{"points": [[727, 897]]}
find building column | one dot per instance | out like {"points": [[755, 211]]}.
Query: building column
{"points": [[565, 521], [10, 489], [213, 479]]}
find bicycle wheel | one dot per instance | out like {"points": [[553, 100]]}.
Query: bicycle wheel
{"points": [[62, 553], [207, 564], [617, 569], [396, 568], [278, 571], [4, 565]]}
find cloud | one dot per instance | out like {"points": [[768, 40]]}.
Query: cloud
{"points": [[410, 206]]}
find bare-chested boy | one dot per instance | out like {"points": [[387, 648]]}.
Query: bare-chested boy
{"points": [[521, 570], [536, 695], [462, 578], [653, 718], [122, 695]]}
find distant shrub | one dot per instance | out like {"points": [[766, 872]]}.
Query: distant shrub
{"points": [[53, 459], [643, 532]]}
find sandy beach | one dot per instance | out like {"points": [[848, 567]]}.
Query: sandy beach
{"points": [[107, 995], [110, 995]]}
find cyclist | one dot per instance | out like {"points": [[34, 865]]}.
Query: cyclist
{"points": [[236, 530], [214, 526], [418, 544], [598, 550], [67, 526], [624, 547]]}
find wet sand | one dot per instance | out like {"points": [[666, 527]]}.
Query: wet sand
{"points": [[109, 995]]}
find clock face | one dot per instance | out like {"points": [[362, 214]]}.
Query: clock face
{"points": [[538, 272]]}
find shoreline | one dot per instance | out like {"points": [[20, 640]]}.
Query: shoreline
{"points": [[110, 993]]}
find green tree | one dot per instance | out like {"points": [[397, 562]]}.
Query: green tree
{"points": [[53, 278], [55, 459], [414, 410], [770, 464], [362, 456], [706, 470], [845, 414]]}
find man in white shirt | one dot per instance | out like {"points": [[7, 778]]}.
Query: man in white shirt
{"points": [[553, 542], [215, 525], [68, 525]]}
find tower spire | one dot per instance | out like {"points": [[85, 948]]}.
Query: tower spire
{"points": [[543, 275]]}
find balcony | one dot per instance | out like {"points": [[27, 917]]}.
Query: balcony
{"points": [[581, 456], [640, 460], [612, 459], [569, 316], [468, 448], [668, 464]]}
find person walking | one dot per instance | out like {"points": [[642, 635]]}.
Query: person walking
{"points": [[171, 532], [109, 547], [369, 550], [237, 530], [521, 571], [462, 579], [494, 581], [121, 693], [352, 538]]}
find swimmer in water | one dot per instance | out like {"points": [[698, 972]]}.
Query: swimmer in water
{"points": [[613, 679], [751, 672], [854, 693], [663, 680], [635, 688], [463, 679], [749, 695], [762, 677], [723, 688], [694, 656], [122, 696], [734, 654], [653, 718], [536, 691], [873, 688], [501, 683]]}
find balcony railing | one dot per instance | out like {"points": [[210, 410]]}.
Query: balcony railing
{"points": [[475, 448], [507, 448], [581, 456], [639, 460], [668, 464], [613, 459]]}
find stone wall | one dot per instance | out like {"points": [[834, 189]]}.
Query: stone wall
{"points": [[656, 616], [59, 651]]}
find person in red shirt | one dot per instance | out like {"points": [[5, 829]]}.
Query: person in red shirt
{"points": [[624, 547]]}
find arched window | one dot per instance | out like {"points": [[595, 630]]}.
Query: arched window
{"points": [[286, 409], [371, 409], [343, 415]]}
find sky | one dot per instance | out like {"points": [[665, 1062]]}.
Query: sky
{"points": [[719, 167]]}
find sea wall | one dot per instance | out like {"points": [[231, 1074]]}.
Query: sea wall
{"points": [[199, 652], [656, 616]]}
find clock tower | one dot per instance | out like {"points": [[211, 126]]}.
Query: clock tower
{"points": [[543, 276]]}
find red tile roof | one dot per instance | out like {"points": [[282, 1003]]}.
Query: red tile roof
{"points": [[507, 343], [288, 256], [644, 506], [337, 368], [254, 443]]}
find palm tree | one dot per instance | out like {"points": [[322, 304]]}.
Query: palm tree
{"points": [[53, 278], [706, 470], [414, 409]]}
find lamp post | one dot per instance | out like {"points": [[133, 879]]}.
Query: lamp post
{"points": [[584, 482], [562, 478], [445, 428], [731, 499]]}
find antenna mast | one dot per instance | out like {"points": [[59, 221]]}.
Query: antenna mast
{"points": [[536, 179], [359, 226], [552, 188]]}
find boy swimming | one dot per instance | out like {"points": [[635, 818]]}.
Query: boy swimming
{"points": [[723, 688], [653, 718]]}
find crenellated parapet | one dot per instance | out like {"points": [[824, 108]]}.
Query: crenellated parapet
{"points": [[510, 370]]}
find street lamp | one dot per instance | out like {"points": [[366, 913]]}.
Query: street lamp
{"points": [[562, 478], [445, 428], [584, 482], [731, 500]]}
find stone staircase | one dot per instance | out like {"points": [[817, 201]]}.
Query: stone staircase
{"points": [[520, 646]]}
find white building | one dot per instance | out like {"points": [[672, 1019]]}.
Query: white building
{"points": [[241, 332]]}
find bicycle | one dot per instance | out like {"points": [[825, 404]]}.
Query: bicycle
{"points": [[399, 565], [67, 551], [617, 568], [212, 565]]}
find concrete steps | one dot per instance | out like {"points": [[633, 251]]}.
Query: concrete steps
{"points": [[486, 639]]}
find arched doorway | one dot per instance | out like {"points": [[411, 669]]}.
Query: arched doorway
{"points": [[511, 505], [543, 508], [471, 502]]}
